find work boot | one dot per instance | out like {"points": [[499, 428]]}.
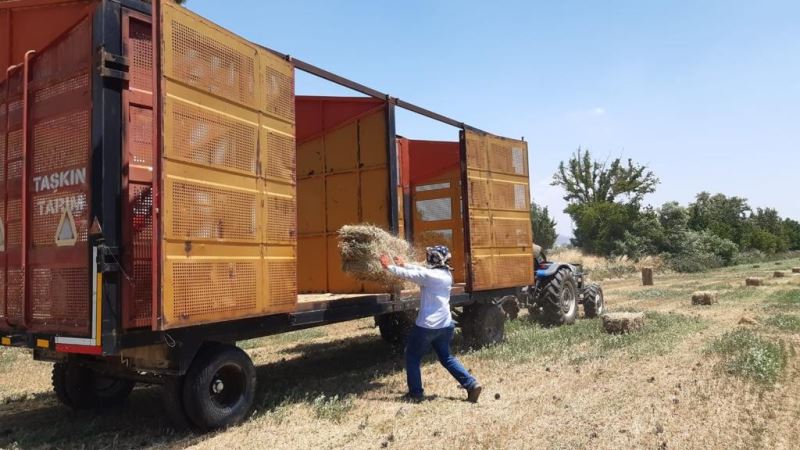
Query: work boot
{"points": [[413, 398], [474, 393]]}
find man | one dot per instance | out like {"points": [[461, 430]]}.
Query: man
{"points": [[434, 326]]}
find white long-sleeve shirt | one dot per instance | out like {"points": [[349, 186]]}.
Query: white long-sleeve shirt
{"points": [[434, 307]]}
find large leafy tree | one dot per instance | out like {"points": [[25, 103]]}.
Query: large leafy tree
{"points": [[543, 226], [724, 216], [603, 198], [590, 181]]}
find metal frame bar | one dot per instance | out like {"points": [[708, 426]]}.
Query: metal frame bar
{"points": [[155, 249], [462, 143], [394, 214], [26, 162], [106, 168], [5, 194], [358, 87]]}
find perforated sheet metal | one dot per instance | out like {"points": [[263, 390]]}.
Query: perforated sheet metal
{"points": [[498, 206], [137, 210], [58, 142], [229, 226]]}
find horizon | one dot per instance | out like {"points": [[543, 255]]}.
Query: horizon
{"points": [[704, 94]]}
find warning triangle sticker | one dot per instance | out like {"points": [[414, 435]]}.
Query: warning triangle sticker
{"points": [[66, 234]]}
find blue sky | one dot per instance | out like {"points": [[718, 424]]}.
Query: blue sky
{"points": [[705, 92]]}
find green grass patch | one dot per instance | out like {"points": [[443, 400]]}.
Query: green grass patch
{"points": [[784, 299], [784, 322], [656, 293], [741, 293], [283, 338], [586, 339], [332, 408], [748, 355]]}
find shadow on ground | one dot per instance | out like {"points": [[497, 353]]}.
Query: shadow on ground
{"points": [[344, 367]]}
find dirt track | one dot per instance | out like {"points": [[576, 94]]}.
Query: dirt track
{"points": [[545, 388]]}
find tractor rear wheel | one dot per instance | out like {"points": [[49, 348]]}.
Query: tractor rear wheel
{"points": [[483, 324], [593, 301], [559, 299], [80, 387]]}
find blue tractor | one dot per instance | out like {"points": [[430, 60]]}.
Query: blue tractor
{"points": [[560, 288]]}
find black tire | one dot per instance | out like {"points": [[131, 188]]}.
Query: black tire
{"points": [[219, 388], [483, 325], [511, 307], [395, 327], [83, 388], [559, 299], [594, 303], [172, 396]]}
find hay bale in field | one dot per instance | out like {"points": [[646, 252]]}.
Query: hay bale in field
{"points": [[704, 298], [647, 276], [795, 269], [756, 266], [622, 322], [361, 246], [779, 274], [754, 281]]}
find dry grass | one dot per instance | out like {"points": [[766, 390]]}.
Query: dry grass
{"points": [[659, 388], [600, 268]]}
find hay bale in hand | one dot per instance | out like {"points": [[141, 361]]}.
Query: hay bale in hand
{"points": [[361, 246], [779, 274], [704, 298], [619, 323], [754, 281]]}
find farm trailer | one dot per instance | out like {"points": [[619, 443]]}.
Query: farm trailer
{"points": [[166, 194]]}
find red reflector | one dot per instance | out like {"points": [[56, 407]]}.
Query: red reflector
{"points": [[82, 349]]}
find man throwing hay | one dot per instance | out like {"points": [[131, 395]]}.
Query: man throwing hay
{"points": [[434, 326]]}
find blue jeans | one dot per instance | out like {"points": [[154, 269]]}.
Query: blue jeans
{"points": [[419, 343]]}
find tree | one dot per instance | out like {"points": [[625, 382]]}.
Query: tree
{"points": [[589, 181], [600, 226], [603, 199], [792, 232], [721, 215], [543, 226]]}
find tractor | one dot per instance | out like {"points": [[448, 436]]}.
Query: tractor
{"points": [[559, 289]]}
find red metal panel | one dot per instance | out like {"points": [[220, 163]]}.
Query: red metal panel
{"points": [[34, 24], [45, 180], [318, 115], [137, 152], [12, 172], [428, 160]]}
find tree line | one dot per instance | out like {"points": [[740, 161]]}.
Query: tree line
{"points": [[604, 200]]}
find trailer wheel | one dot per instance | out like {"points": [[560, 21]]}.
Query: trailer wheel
{"points": [[559, 299], [395, 327], [483, 324], [219, 388], [83, 388], [172, 396], [593, 301]]}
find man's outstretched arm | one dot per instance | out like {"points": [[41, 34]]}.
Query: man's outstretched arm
{"points": [[415, 274]]}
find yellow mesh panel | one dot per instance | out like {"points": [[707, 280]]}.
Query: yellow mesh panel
{"points": [[501, 247], [228, 225]]}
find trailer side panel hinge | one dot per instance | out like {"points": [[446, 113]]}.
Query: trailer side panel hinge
{"points": [[113, 66]]}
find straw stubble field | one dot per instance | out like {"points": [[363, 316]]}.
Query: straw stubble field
{"points": [[717, 376]]}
